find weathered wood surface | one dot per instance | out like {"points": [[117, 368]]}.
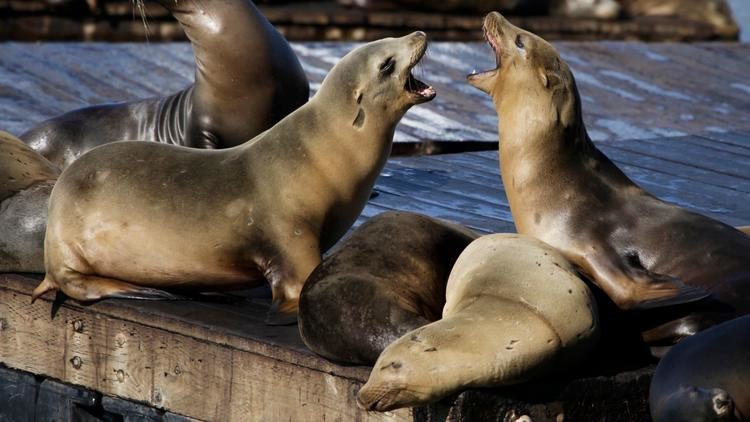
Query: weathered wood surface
{"points": [[629, 90], [207, 361], [114, 20]]}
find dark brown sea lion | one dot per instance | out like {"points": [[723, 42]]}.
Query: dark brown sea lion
{"points": [[705, 377], [129, 217], [26, 180], [516, 310], [247, 78], [383, 281], [643, 252]]}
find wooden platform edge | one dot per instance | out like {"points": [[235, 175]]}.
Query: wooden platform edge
{"points": [[167, 365]]}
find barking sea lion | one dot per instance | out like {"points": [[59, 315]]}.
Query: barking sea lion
{"points": [[643, 252], [132, 216]]}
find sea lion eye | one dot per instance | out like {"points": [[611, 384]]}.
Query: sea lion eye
{"points": [[519, 41], [387, 67]]}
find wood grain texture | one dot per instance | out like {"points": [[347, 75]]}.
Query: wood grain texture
{"points": [[130, 350], [629, 90]]}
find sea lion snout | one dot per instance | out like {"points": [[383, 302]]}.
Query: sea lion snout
{"points": [[694, 403], [384, 396]]}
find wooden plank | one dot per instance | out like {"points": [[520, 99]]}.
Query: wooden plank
{"points": [[286, 392], [629, 90], [20, 328], [132, 350], [192, 377], [128, 370]]}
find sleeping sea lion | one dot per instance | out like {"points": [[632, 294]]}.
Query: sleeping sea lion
{"points": [[706, 377], [641, 251], [129, 217], [26, 180], [247, 78], [515, 311], [383, 281]]}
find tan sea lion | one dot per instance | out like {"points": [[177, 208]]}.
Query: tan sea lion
{"points": [[247, 78], [515, 311], [383, 281], [716, 13], [706, 377], [641, 251], [128, 217], [26, 180]]}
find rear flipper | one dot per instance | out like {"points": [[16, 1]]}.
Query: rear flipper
{"points": [[282, 313], [87, 288], [631, 286]]}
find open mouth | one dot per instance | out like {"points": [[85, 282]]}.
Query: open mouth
{"points": [[419, 90], [491, 36], [492, 41]]}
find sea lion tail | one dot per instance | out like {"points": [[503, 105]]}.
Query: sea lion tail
{"points": [[45, 286], [283, 312]]}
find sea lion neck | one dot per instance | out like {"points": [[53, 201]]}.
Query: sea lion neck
{"points": [[543, 125]]}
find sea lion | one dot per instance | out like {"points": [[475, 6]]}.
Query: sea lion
{"points": [[247, 78], [26, 180], [227, 219], [706, 377], [383, 281], [515, 311], [641, 251], [716, 13]]}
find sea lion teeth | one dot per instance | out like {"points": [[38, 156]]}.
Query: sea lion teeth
{"points": [[270, 209]]}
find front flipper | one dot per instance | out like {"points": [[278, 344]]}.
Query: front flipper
{"points": [[288, 273], [631, 286]]}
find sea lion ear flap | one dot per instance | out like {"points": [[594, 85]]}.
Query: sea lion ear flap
{"points": [[549, 78]]}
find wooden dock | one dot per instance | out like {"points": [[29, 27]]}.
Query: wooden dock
{"points": [[675, 118], [326, 20]]}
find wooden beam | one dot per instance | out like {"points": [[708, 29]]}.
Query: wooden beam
{"points": [[179, 361]]}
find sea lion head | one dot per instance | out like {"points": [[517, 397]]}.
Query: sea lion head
{"points": [[530, 80], [697, 404], [416, 369], [374, 85]]}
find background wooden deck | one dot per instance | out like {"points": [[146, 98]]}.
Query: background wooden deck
{"points": [[114, 20], [629, 90]]}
